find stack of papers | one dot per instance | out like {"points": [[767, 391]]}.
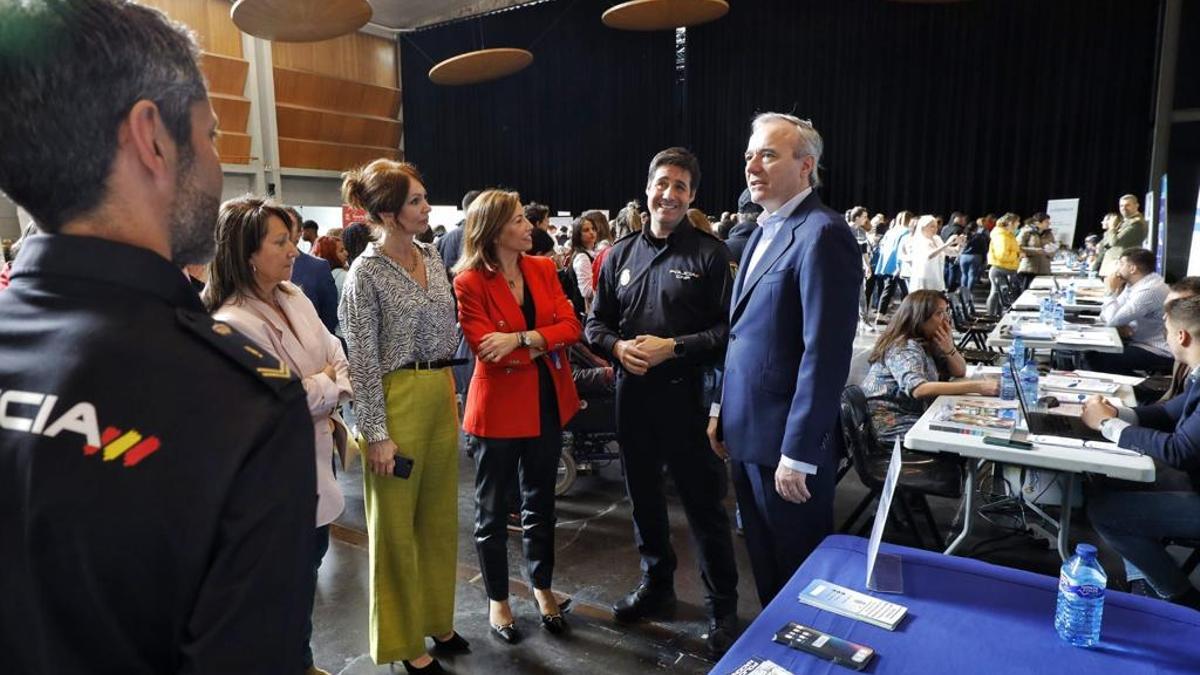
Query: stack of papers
{"points": [[1034, 330], [1081, 385], [1086, 337]]}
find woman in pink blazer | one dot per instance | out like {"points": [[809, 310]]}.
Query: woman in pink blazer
{"points": [[249, 289]]}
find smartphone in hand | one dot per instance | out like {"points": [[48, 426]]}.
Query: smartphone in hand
{"points": [[403, 466]]}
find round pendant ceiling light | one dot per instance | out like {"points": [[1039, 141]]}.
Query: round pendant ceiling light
{"points": [[663, 14], [483, 65], [300, 20]]}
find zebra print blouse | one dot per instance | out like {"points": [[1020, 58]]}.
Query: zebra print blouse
{"points": [[389, 321]]}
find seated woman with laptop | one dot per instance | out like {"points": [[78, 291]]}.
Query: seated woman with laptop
{"points": [[911, 363], [1136, 519]]}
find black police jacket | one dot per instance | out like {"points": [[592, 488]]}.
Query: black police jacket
{"points": [[679, 288], [157, 484]]}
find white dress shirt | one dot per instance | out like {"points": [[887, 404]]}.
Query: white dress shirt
{"points": [[1140, 305]]}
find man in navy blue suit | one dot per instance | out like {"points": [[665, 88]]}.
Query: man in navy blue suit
{"points": [[1134, 518], [314, 277], [792, 327]]}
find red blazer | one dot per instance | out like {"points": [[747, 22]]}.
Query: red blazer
{"points": [[502, 401]]}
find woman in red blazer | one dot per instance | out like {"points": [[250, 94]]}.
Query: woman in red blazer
{"points": [[519, 323]]}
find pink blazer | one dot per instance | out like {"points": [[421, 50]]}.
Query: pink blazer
{"points": [[305, 351]]}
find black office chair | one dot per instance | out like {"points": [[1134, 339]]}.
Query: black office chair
{"points": [[922, 474], [972, 333]]}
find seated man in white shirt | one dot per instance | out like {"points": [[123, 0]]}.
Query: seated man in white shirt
{"points": [[1133, 305]]}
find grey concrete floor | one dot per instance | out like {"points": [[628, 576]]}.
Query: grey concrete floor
{"points": [[596, 564]]}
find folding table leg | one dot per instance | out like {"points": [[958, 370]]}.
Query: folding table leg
{"points": [[1064, 523], [968, 508]]}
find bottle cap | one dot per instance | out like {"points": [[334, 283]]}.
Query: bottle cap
{"points": [[1086, 550]]}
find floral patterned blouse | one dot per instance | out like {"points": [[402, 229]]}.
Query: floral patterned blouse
{"points": [[889, 384]]}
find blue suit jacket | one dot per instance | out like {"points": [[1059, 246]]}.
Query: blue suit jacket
{"points": [[792, 326], [313, 276], [1170, 431]]}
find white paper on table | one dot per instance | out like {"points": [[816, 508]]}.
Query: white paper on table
{"points": [[1075, 384], [1131, 380], [1066, 442], [881, 513], [1034, 329]]}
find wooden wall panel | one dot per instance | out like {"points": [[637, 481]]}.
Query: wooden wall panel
{"points": [[233, 112], [295, 153], [357, 57], [233, 148], [225, 75], [209, 19], [311, 90], [335, 127]]}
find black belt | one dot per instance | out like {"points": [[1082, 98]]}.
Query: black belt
{"points": [[432, 365]]}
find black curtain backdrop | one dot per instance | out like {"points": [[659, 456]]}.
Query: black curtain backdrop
{"points": [[575, 130], [981, 106], [985, 105]]}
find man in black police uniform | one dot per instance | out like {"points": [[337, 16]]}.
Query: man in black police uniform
{"points": [[662, 309], [157, 486]]}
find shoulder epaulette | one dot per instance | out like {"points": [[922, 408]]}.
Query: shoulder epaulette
{"points": [[263, 365]]}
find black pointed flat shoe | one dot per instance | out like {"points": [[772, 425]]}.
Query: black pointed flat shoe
{"points": [[507, 633], [433, 667], [554, 623], [457, 644]]}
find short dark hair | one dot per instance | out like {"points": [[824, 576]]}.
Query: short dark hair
{"points": [[1187, 285], [294, 218], [535, 212], [1141, 258], [1039, 217], [678, 157], [71, 70], [355, 237], [468, 198], [1185, 314], [311, 225]]}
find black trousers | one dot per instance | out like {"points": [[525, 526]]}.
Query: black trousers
{"points": [[661, 421], [891, 285], [533, 462], [780, 534]]}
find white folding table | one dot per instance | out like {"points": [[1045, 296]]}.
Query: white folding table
{"points": [[1068, 461]]}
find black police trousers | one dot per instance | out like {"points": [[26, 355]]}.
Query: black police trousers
{"points": [[499, 462], [661, 421]]}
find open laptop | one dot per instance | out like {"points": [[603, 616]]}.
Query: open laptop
{"points": [[1048, 424]]}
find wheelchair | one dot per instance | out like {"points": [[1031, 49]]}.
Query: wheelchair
{"points": [[589, 441]]}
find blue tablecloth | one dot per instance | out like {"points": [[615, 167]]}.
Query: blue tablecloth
{"points": [[967, 616]]}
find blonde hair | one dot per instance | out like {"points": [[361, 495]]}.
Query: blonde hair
{"points": [[1008, 219], [379, 187], [486, 217]]}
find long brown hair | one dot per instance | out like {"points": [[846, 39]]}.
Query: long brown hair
{"points": [[916, 309], [241, 227], [487, 216]]}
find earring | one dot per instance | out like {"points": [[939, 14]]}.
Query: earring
{"points": [[253, 268]]}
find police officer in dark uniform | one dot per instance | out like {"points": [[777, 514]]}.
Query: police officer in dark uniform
{"points": [[662, 310], [157, 488]]}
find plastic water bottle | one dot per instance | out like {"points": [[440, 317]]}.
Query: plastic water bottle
{"points": [[1018, 352], [1080, 598], [1060, 315], [1029, 383], [1045, 310], [1071, 293], [1008, 389]]}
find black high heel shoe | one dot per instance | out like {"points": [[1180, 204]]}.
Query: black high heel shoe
{"points": [[555, 624], [457, 644], [507, 632], [433, 668]]}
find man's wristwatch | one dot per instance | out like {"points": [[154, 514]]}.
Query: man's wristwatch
{"points": [[680, 348]]}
